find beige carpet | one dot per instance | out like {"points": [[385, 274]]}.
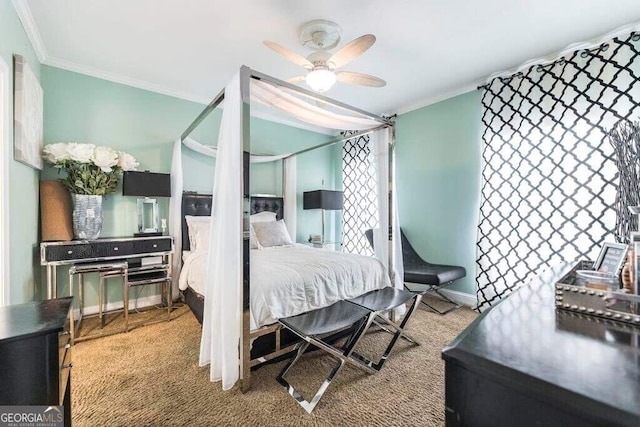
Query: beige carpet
{"points": [[150, 376]]}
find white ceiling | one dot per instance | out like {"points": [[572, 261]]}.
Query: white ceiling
{"points": [[426, 50]]}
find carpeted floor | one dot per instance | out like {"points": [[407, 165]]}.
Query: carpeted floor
{"points": [[150, 376]]}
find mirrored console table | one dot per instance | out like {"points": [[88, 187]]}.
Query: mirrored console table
{"points": [[54, 254]]}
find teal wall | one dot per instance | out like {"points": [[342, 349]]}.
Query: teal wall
{"points": [[438, 162], [80, 108], [23, 192]]}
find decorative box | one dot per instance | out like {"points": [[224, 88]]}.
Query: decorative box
{"points": [[596, 298]]}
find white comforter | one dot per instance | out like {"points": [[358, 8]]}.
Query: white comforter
{"points": [[290, 280]]}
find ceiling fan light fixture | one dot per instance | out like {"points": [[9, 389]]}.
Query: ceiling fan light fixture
{"points": [[321, 80]]}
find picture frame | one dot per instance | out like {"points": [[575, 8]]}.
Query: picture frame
{"points": [[28, 115], [611, 258]]}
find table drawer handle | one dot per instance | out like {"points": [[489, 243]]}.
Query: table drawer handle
{"points": [[69, 252], [68, 365], [155, 245], [115, 249]]}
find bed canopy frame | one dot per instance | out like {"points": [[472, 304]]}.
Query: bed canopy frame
{"points": [[246, 75]]}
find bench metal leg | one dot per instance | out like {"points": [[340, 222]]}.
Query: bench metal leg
{"points": [[404, 334], [437, 291], [342, 356], [399, 332]]}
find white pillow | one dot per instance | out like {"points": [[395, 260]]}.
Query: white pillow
{"points": [[199, 229], [273, 233], [265, 216], [253, 240]]}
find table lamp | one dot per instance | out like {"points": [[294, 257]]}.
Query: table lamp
{"points": [[327, 200], [147, 185]]}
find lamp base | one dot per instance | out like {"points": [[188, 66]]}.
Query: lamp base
{"points": [[148, 234]]}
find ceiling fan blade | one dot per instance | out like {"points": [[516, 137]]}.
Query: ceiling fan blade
{"points": [[359, 79], [297, 79], [289, 54], [352, 50]]}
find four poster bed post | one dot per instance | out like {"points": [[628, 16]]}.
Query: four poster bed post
{"points": [[243, 232]]}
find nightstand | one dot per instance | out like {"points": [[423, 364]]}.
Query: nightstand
{"points": [[333, 246]]}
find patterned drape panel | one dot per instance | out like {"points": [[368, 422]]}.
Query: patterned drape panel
{"points": [[549, 174], [360, 211]]}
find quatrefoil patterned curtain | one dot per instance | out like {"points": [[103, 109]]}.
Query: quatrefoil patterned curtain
{"points": [[360, 211], [549, 173]]}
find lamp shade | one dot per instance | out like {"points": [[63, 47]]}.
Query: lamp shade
{"points": [[146, 184], [321, 80], [322, 199]]}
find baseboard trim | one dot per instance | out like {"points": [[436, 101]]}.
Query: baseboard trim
{"points": [[463, 298], [468, 300], [118, 305]]}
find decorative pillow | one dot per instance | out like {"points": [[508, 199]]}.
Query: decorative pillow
{"points": [[272, 233], [199, 229], [265, 216], [253, 240]]}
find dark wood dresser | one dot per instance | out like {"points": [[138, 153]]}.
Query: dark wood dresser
{"points": [[525, 363], [35, 354]]}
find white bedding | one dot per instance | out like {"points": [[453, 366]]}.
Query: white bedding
{"points": [[290, 280]]}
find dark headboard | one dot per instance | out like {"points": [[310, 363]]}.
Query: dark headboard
{"points": [[200, 205]]}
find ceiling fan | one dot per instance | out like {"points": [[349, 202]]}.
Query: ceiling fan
{"points": [[322, 66]]}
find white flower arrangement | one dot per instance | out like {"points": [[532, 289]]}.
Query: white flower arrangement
{"points": [[90, 169]]}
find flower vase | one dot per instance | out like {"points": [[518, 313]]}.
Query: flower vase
{"points": [[87, 216]]}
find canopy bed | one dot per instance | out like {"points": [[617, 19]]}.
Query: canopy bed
{"points": [[237, 334]]}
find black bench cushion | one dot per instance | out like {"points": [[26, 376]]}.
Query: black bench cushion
{"points": [[324, 320], [432, 274], [383, 299]]}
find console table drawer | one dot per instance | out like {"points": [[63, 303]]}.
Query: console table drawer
{"points": [[89, 251], [108, 248], [151, 246]]}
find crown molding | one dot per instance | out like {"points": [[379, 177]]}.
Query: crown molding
{"points": [[124, 80], [442, 97], [26, 17]]}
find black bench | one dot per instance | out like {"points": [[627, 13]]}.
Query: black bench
{"points": [[383, 301], [360, 313]]}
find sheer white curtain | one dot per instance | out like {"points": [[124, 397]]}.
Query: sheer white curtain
{"points": [[389, 253], [221, 326], [305, 111], [175, 212]]}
